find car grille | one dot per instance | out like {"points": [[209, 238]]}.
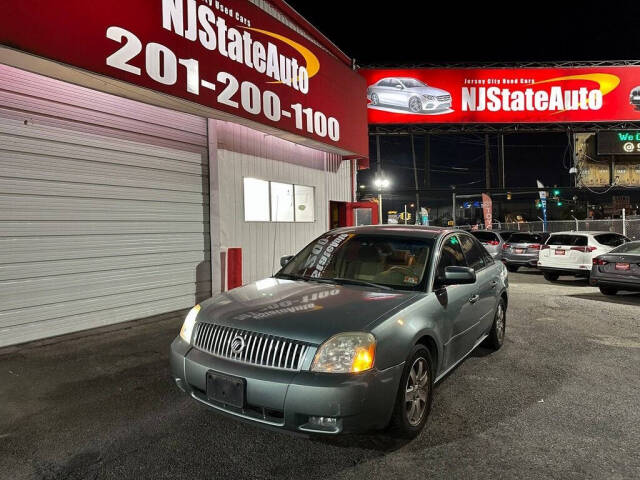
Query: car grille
{"points": [[444, 98], [259, 349]]}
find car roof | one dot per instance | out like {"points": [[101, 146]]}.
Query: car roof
{"points": [[421, 231], [587, 232]]}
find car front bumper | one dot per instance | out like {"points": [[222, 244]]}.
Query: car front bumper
{"points": [[435, 105], [286, 399]]}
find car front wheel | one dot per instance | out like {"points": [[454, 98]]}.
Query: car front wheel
{"points": [[496, 334], [374, 99], [608, 290], [413, 402], [551, 277], [415, 105]]}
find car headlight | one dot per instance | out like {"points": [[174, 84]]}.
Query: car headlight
{"points": [[346, 353], [429, 97], [189, 322]]}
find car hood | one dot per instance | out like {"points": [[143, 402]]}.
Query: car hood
{"points": [[306, 311], [428, 91]]}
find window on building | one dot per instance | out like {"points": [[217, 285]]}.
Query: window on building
{"points": [[304, 203], [256, 200], [281, 202]]}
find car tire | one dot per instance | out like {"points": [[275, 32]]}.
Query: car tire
{"points": [[495, 340], [513, 268], [405, 422], [415, 105], [608, 291], [374, 99], [551, 277]]}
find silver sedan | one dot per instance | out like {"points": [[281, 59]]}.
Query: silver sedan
{"points": [[352, 334]]}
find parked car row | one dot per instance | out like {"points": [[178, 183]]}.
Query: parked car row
{"points": [[610, 260]]}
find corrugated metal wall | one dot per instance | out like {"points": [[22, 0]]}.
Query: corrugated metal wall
{"points": [[273, 159], [103, 208]]}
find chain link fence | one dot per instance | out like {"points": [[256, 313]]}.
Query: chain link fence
{"points": [[629, 227]]}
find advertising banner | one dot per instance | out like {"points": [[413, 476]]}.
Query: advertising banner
{"points": [[487, 209], [503, 95], [543, 204], [623, 142], [226, 54]]}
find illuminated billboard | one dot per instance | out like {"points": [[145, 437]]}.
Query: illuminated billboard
{"points": [[503, 95]]}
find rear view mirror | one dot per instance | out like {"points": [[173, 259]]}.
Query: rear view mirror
{"points": [[459, 276], [286, 259]]}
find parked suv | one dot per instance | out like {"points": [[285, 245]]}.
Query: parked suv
{"points": [[522, 250], [572, 253], [492, 241]]}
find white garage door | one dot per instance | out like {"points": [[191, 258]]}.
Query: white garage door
{"points": [[103, 209]]}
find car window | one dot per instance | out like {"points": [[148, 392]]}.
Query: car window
{"points": [[473, 252], [486, 236], [569, 240], [394, 261], [631, 248], [610, 239], [450, 256], [526, 238], [506, 236], [384, 83]]}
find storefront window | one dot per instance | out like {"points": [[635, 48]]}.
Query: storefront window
{"points": [[305, 207], [256, 200], [281, 202]]}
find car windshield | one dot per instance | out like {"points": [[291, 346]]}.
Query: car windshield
{"points": [[525, 238], [373, 260], [632, 248], [412, 82]]}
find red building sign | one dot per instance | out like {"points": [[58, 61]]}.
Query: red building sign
{"points": [[229, 55]]}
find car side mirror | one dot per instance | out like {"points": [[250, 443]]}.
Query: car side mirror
{"points": [[458, 276], [399, 87], [286, 259]]}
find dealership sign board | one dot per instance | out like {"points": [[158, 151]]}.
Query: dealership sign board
{"points": [[622, 142], [507, 95], [226, 54]]}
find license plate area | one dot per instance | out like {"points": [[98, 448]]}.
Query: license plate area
{"points": [[623, 266], [519, 251], [560, 252], [226, 389]]}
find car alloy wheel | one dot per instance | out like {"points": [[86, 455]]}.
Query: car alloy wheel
{"points": [[417, 391], [500, 323], [374, 99], [415, 105]]}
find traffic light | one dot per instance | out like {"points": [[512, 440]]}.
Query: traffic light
{"points": [[556, 192], [559, 203]]}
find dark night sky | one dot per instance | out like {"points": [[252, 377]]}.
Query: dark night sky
{"points": [[411, 32]]}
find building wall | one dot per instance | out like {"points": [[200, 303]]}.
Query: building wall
{"points": [[263, 243]]}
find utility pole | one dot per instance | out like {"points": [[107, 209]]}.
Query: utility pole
{"points": [[487, 161], [427, 160], [415, 173], [501, 179], [379, 176], [453, 204]]}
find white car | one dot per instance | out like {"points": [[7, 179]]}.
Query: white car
{"points": [[409, 93], [572, 253]]}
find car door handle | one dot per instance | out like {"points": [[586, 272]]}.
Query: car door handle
{"points": [[494, 283], [474, 299]]}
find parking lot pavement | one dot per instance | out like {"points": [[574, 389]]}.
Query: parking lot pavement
{"points": [[559, 400]]}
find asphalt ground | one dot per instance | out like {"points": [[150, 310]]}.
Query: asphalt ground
{"points": [[561, 400]]}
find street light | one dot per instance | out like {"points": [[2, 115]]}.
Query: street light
{"points": [[381, 183]]}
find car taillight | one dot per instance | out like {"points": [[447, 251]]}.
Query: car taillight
{"points": [[599, 261], [536, 246], [493, 242], [583, 249], [505, 246]]}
